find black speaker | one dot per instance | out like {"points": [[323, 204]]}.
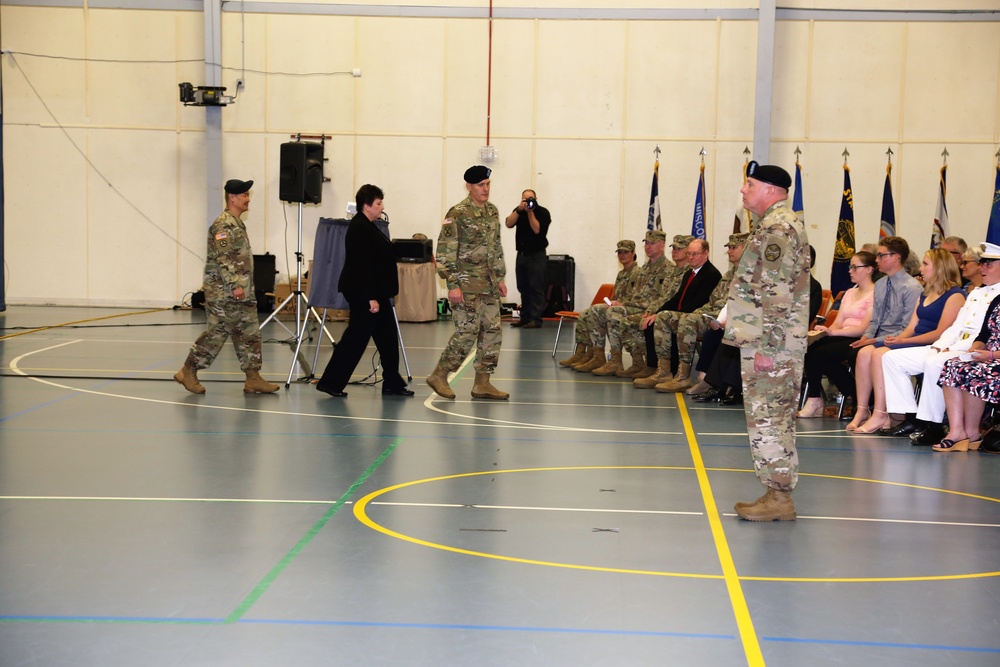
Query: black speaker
{"points": [[413, 251], [301, 175]]}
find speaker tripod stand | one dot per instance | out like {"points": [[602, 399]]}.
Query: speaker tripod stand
{"points": [[302, 314]]}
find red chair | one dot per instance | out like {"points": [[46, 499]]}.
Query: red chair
{"points": [[605, 291]]}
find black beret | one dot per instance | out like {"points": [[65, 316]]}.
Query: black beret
{"points": [[769, 173], [235, 186], [477, 174]]}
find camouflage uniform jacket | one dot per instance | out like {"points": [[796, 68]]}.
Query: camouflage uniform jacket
{"points": [[670, 286], [719, 296], [626, 282], [768, 297], [229, 263], [469, 254], [651, 284]]}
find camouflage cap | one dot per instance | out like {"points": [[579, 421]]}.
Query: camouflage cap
{"points": [[655, 235], [625, 244], [682, 241], [477, 174], [737, 239]]}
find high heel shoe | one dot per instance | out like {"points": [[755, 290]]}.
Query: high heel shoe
{"points": [[947, 445], [813, 408], [857, 421], [870, 427]]}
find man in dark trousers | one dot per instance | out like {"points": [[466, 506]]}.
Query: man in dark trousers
{"points": [[531, 222], [693, 292]]}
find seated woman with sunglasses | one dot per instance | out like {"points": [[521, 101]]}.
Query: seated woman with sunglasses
{"points": [[936, 310], [827, 354]]}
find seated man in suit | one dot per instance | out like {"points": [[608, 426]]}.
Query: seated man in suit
{"points": [[688, 326], [694, 291]]}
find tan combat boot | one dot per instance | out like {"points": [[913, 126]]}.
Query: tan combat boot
{"points": [[645, 372], [438, 381], [188, 376], [638, 365], [582, 352], [482, 388], [680, 382], [774, 505], [255, 384], [662, 374], [613, 366], [596, 360]]}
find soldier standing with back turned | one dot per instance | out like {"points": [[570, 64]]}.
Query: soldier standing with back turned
{"points": [[768, 313], [470, 259]]}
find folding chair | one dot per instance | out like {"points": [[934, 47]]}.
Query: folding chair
{"points": [[603, 292]]}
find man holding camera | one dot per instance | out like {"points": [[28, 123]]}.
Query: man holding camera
{"points": [[531, 223]]}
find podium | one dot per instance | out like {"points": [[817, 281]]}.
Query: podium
{"points": [[417, 298]]}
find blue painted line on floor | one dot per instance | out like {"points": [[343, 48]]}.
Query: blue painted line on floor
{"points": [[847, 642], [108, 619], [490, 628], [9, 618]]}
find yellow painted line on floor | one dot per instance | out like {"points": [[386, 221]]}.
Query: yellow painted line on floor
{"points": [[748, 635], [89, 319]]}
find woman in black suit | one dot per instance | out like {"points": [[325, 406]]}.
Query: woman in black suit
{"points": [[368, 280]]}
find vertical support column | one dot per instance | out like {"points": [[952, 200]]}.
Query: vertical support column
{"points": [[213, 115], [764, 89]]}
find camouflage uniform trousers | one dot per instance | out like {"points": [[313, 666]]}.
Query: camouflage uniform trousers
{"points": [[686, 326], [770, 402], [633, 338], [229, 318], [477, 322], [621, 320], [584, 324]]}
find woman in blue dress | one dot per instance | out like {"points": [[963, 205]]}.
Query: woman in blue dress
{"points": [[936, 311]]}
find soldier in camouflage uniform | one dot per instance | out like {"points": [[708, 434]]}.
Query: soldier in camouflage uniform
{"points": [[470, 259], [624, 283], [644, 361], [650, 282], [768, 312], [230, 300], [689, 326]]}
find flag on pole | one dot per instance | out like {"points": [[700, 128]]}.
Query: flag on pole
{"points": [[653, 221], [797, 205], [993, 229], [840, 278], [888, 226], [940, 231], [698, 221]]}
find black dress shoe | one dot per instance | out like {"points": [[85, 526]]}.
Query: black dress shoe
{"points": [[519, 323], [732, 397], [332, 392], [908, 427], [712, 394], [397, 392], [931, 435], [532, 325]]}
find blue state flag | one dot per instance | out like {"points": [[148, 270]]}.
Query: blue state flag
{"points": [[888, 226], [797, 205], [698, 221], [653, 221], [840, 277], [993, 229]]}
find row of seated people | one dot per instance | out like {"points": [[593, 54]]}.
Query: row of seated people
{"points": [[902, 327], [656, 313]]}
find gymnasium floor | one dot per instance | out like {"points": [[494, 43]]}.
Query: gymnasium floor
{"points": [[583, 523]]}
